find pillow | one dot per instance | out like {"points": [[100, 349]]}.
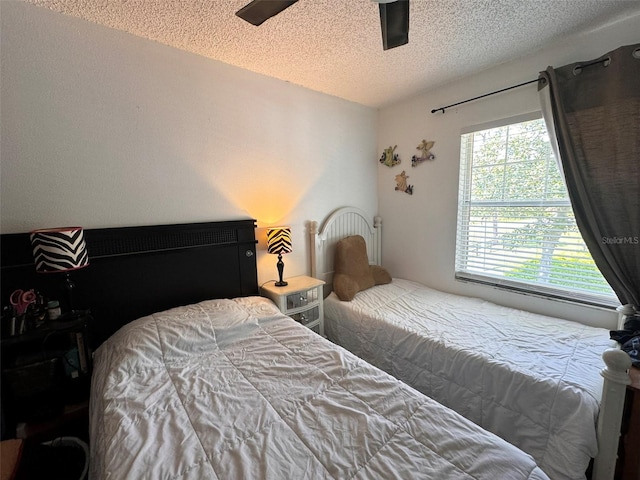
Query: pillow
{"points": [[380, 275], [352, 272]]}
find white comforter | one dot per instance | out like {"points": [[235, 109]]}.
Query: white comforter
{"points": [[531, 379], [232, 389]]}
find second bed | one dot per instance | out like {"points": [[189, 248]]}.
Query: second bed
{"points": [[533, 380]]}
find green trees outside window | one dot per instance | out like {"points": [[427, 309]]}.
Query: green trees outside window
{"points": [[515, 223]]}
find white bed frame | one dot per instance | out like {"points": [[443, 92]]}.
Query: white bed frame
{"points": [[353, 221]]}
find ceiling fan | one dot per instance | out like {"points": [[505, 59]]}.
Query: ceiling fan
{"points": [[394, 17]]}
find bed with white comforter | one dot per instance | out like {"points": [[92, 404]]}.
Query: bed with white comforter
{"points": [[232, 389], [533, 380]]}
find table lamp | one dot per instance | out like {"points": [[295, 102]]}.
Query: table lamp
{"points": [[279, 242], [60, 250]]}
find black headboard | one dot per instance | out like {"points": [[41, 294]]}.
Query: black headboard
{"points": [[135, 271]]}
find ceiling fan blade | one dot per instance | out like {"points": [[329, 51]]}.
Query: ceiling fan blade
{"points": [[394, 20], [258, 11]]}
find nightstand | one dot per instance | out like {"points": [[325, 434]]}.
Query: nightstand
{"points": [[628, 461], [11, 453], [301, 300], [46, 375]]}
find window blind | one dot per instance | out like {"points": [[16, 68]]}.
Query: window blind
{"points": [[516, 228]]}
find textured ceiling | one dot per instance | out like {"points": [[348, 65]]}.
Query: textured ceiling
{"points": [[335, 46]]}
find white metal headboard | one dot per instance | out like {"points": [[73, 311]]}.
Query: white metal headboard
{"points": [[339, 224]]}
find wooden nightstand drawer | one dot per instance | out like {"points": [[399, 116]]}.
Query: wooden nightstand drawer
{"points": [[628, 467], [10, 452], [307, 316], [301, 299], [315, 328]]}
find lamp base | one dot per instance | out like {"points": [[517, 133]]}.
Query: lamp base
{"points": [[280, 265]]}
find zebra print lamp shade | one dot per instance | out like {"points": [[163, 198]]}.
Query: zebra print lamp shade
{"points": [[59, 249], [279, 242]]}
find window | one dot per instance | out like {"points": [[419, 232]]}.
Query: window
{"points": [[515, 224]]}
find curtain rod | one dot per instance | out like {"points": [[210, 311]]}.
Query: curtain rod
{"points": [[482, 96], [576, 68]]}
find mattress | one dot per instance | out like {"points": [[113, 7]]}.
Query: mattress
{"points": [[533, 380], [232, 389]]}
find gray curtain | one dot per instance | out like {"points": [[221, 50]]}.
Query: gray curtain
{"points": [[595, 116]]}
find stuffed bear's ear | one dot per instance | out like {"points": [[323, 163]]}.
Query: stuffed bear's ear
{"points": [[380, 275], [345, 287]]}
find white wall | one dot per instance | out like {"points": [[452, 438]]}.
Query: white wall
{"points": [[100, 129], [103, 129], [419, 231]]}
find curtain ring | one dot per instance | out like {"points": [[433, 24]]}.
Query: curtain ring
{"points": [[577, 70], [636, 53]]}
